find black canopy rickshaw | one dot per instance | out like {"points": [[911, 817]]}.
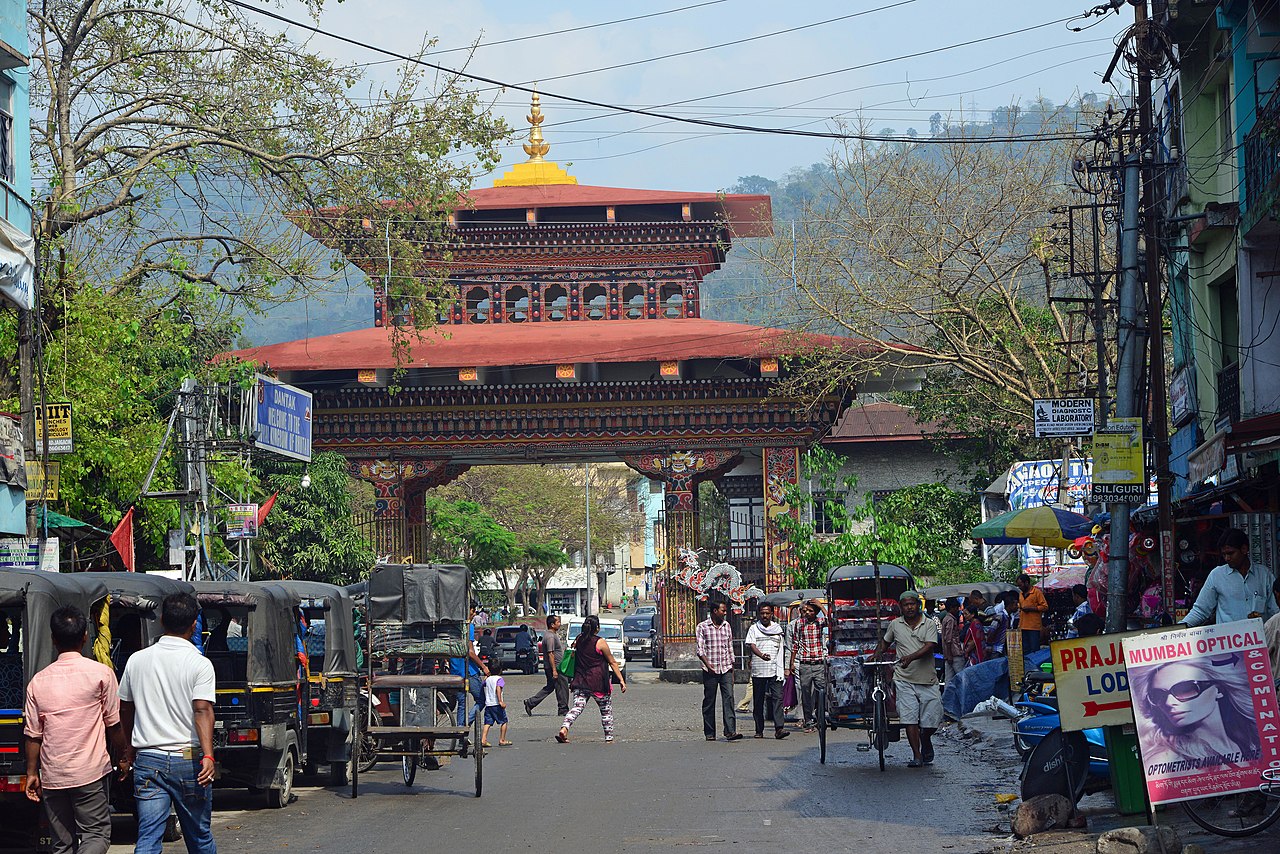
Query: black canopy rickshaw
{"points": [[989, 589], [333, 672], [859, 691], [259, 742], [417, 620], [27, 599]]}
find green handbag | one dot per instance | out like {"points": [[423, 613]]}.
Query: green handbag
{"points": [[568, 663]]}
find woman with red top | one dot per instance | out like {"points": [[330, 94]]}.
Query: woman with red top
{"points": [[974, 636]]}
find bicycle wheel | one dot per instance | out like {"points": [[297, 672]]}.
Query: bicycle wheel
{"points": [[409, 768], [1234, 816], [880, 728], [820, 718]]}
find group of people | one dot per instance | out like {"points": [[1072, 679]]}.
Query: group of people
{"points": [[155, 724]]}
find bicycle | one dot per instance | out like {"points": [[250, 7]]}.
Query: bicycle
{"points": [[1239, 815]]}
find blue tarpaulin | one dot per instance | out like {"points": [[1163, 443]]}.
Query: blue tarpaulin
{"points": [[977, 682]]}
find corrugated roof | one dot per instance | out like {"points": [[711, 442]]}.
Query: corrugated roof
{"points": [[880, 422]]}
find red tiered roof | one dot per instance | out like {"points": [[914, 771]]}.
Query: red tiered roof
{"points": [[547, 343]]}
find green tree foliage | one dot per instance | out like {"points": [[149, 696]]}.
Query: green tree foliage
{"points": [[921, 528], [309, 533]]}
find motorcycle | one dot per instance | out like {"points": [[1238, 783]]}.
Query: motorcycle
{"points": [[526, 661], [1035, 715]]}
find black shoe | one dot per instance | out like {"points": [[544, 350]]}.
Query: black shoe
{"points": [[782, 733], [735, 737], [528, 710]]}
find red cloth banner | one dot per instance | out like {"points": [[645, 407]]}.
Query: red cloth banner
{"points": [[266, 508], [122, 539]]}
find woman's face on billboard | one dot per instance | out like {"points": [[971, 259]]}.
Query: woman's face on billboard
{"points": [[1183, 694]]}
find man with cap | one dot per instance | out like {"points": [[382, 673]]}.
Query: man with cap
{"points": [[914, 637]]}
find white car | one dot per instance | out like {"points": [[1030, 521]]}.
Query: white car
{"points": [[610, 631]]}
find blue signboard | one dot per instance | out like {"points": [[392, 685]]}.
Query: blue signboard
{"points": [[282, 419]]}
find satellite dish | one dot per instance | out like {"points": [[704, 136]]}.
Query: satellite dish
{"points": [[1058, 765]]}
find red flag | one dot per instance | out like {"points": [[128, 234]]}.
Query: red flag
{"points": [[266, 508], [122, 539]]}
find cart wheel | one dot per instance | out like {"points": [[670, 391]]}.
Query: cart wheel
{"points": [[409, 768], [820, 718], [880, 728], [479, 752]]}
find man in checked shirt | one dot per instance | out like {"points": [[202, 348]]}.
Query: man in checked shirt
{"points": [[809, 658], [715, 651]]}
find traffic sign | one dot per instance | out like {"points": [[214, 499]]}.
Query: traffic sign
{"points": [[282, 419], [1063, 416], [59, 419]]}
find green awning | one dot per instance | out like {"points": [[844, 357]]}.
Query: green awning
{"points": [[72, 528]]}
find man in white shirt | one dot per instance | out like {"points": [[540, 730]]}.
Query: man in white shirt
{"points": [[768, 670], [1239, 589], [167, 695], [1271, 633]]}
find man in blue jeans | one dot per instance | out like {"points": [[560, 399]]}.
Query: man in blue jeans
{"points": [[166, 707], [473, 668]]}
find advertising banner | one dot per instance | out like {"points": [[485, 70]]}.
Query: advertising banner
{"points": [[242, 521], [59, 428], [1063, 417], [1119, 462], [22, 553], [1092, 686], [43, 485], [1204, 702]]}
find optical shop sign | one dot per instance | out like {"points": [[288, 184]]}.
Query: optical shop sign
{"points": [[1204, 702]]}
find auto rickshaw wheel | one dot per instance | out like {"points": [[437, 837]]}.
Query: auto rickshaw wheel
{"points": [[409, 769], [279, 798]]}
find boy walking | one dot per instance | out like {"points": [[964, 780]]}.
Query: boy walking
{"points": [[495, 707]]}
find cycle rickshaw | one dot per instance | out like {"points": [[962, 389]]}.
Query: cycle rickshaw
{"points": [[417, 620], [859, 691]]}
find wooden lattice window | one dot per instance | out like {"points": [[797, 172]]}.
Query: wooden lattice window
{"points": [[633, 299], [478, 305], [556, 301], [595, 302], [517, 304]]}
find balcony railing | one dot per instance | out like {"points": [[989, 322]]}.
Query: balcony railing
{"points": [[6, 147], [1261, 159], [1229, 393]]}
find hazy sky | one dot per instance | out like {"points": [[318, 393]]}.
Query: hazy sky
{"points": [[620, 150]]}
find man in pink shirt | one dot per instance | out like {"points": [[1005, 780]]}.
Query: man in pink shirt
{"points": [[72, 708]]}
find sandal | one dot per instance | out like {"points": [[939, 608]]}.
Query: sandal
{"points": [[914, 763], [562, 737], [506, 743], [485, 744]]}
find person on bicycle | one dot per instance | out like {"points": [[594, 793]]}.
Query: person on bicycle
{"points": [[914, 638]]}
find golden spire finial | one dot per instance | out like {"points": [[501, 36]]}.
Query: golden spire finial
{"points": [[536, 148]]}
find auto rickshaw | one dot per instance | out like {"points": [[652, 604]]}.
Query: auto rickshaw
{"points": [[250, 634], [27, 599], [134, 623], [333, 674]]}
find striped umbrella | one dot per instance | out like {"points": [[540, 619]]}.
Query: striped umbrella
{"points": [[1052, 527]]}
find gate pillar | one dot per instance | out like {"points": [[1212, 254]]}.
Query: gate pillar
{"points": [[398, 486], [680, 472], [781, 471]]}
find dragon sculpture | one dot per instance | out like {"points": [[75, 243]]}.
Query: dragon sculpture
{"points": [[722, 577]]}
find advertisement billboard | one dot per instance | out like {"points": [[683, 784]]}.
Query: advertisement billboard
{"points": [[1204, 702]]}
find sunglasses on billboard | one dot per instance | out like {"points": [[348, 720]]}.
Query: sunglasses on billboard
{"points": [[1180, 691]]}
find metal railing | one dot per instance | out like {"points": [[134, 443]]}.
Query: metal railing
{"points": [[1229, 392]]}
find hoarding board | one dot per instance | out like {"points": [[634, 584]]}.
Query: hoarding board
{"points": [[1092, 686], [242, 521], [40, 487], [1066, 416], [59, 427], [1119, 462], [1204, 702], [22, 553], [282, 419]]}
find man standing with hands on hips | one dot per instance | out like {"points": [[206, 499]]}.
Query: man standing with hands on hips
{"points": [[1239, 589], [914, 637], [167, 695]]}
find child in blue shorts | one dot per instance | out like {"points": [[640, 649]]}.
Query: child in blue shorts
{"points": [[495, 707]]}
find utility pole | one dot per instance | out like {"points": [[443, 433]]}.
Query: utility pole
{"points": [[1156, 385], [1130, 351]]}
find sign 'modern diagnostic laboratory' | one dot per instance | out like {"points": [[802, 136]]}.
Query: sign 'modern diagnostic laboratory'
{"points": [[1068, 416], [1092, 686], [282, 419]]}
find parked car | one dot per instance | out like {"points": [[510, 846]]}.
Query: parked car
{"points": [[638, 632], [646, 611], [610, 632], [506, 637]]}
